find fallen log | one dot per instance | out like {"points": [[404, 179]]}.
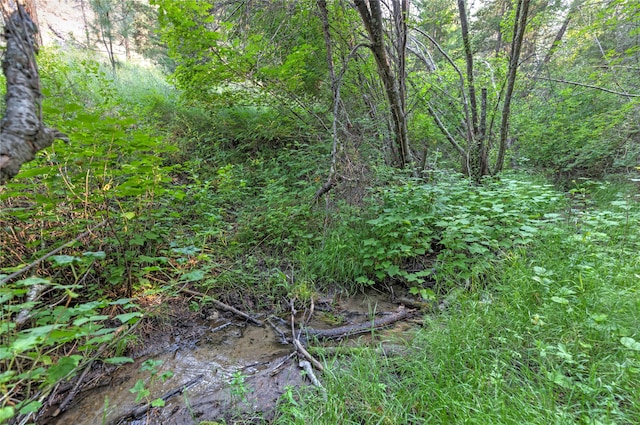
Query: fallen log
{"points": [[349, 330]]}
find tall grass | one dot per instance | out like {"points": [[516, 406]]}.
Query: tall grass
{"points": [[551, 339]]}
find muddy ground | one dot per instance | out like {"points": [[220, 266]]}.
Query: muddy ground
{"points": [[211, 365]]}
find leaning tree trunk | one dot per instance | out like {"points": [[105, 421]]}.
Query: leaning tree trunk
{"points": [[22, 132], [371, 14]]}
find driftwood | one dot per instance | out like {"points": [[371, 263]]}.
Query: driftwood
{"points": [[22, 132], [344, 331], [140, 411], [223, 306]]}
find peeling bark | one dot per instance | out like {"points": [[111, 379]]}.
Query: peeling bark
{"points": [[22, 132]]}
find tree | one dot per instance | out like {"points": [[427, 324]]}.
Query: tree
{"points": [[393, 77], [477, 121], [23, 132]]}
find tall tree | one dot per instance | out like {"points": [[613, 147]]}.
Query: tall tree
{"points": [[22, 133]]}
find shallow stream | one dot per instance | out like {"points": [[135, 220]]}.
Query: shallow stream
{"points": [[227, 368]]}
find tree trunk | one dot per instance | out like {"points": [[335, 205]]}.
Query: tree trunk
{"points": [[464, 25], [371, 14], [522, 13], [30, 8], [22, 132]]}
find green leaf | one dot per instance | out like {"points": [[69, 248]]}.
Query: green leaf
{"points": [[64, 366], [560, 300], [128, 215], [97, 255], [7, 413], [118, 360], [392, 270], [60, 260], [188, 250], [193, 276], [630, 343], [126, 317], [158, 403], [140, 389], [121, 301], [30, 407]]}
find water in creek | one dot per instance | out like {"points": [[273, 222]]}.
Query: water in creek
{"points": [[230, 368]]}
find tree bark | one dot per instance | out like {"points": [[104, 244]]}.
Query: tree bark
{"points": [[522, 13], [22, 132], [371, 14], [464, 25]]}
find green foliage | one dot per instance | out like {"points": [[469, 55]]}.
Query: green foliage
{"points": [[551, 339], [577, 133], [142, 391], [32, 354], [450, 229]]}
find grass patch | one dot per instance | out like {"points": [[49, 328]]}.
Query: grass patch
{"points": [[551, 339]]}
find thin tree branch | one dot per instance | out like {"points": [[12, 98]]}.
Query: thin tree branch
{"points": [[589, 86], [49, 254]]}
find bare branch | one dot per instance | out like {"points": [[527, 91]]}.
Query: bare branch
{"points": [[589, 86]]}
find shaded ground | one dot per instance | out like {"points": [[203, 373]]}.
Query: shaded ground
{"points": [[232, 370]]}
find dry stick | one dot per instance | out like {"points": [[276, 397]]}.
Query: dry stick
{"points": [[73, 391], [589, 86], [296, 341], [223, 306], [307, 356], [138, 412], [283, 337], [55, 251]]}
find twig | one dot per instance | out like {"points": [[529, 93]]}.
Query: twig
{"points": [[296, 340], [280, 332], [309, 370], [73, 391], [276, 369], [138, 412], [223, 306], [589, 86], [55, 251], [307, 356]]}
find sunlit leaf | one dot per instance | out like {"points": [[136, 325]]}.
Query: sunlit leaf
{"points": [[630, 343], [126, 317]]}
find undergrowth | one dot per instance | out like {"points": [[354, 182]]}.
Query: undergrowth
{"points": [[551, 338], [541, 288]]}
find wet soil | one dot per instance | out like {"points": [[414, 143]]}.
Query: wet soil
{"points": [[221, 368]]}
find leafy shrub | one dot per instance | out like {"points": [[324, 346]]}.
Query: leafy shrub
{"points": [[454, 228]]}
